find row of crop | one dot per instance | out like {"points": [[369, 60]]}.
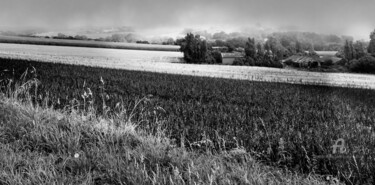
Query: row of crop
{"points": [[282, 124]]}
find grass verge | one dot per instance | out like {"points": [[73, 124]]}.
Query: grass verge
{"points": [[39, 145]]}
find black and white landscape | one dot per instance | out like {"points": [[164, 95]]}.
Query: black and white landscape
{"points": [[187, 92]]}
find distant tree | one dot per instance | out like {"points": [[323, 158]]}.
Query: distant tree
{"points": [[237, 42], [220, 36], [179, 41], [365, 64], [61, 36], [359, 50], [332, 39], [371, 47], [220, 43], [80, 37], [348, 50], [170, 41], [194, 49], [311, 49], [117, 38], [131, 37], [250, 48], [260, 50]]}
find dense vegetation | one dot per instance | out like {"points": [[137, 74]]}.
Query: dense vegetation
{"points": [[39, 145], [355, 57], [290, 40], [281, 124], [196, 50]]}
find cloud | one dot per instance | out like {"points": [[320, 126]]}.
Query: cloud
{"points": [[324, 16]]}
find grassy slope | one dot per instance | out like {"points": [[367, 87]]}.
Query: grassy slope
{"points": [[39, 145]]}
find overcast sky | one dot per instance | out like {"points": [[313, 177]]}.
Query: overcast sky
{"points": [[343, 17]]}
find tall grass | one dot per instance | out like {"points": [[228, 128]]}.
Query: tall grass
{"points": [[284, 125], [40, 145]]}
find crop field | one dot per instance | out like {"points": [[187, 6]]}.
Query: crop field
{"points": [[82, 43], [169, 62], [286, 125], [86, 56]]}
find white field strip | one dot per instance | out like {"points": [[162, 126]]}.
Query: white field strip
{"points": [[166, 62]]}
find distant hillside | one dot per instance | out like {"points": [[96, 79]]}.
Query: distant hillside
{"points": [[81, 43]]}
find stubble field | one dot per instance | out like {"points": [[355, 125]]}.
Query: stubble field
{"points": [[170, 62]]}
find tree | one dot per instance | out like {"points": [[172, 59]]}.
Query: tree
{"points": [[220, 36], [348, 50], [118, 38], [194, 49], [365, 64], [61, 36], [250, 48], [260, 51], [371, 47], [359, 50]]}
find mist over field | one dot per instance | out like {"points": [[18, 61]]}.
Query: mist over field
{"points": [[170, 18]]}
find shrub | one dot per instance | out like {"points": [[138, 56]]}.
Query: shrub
{"points": [[217, 56], [365, 64], [314, 64], [239, 61], [342, 62], [209, 58], [289, 62], [276, 64], [249, 61], [327, 62]]}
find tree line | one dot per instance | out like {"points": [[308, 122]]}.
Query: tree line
{"points": [[355, 55], [359, 59]]}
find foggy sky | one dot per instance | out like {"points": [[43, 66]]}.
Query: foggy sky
{"points": [[342, 17]]}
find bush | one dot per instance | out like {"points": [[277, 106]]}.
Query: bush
{"points": [[249, 61], [327, 62], [276, 64], [217, 56], [342, 62], [365, 64], [209, 58], [239, 61]]}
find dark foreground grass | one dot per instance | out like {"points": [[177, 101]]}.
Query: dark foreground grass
{"points": [[39, 145], [284, 125]]}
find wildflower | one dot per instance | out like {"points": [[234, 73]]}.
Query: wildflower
{"points": [[90, 92], [101, 80]]}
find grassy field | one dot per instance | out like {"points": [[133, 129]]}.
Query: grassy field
{"points": [[39, 145], [169, 62], [82, 43], [87, 56], [284, 125]]}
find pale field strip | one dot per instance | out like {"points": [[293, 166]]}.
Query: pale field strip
{"points": [[168, 62]]}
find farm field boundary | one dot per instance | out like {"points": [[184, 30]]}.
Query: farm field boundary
{"points": [[168, 62], [287, 125], [82, 43]]}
